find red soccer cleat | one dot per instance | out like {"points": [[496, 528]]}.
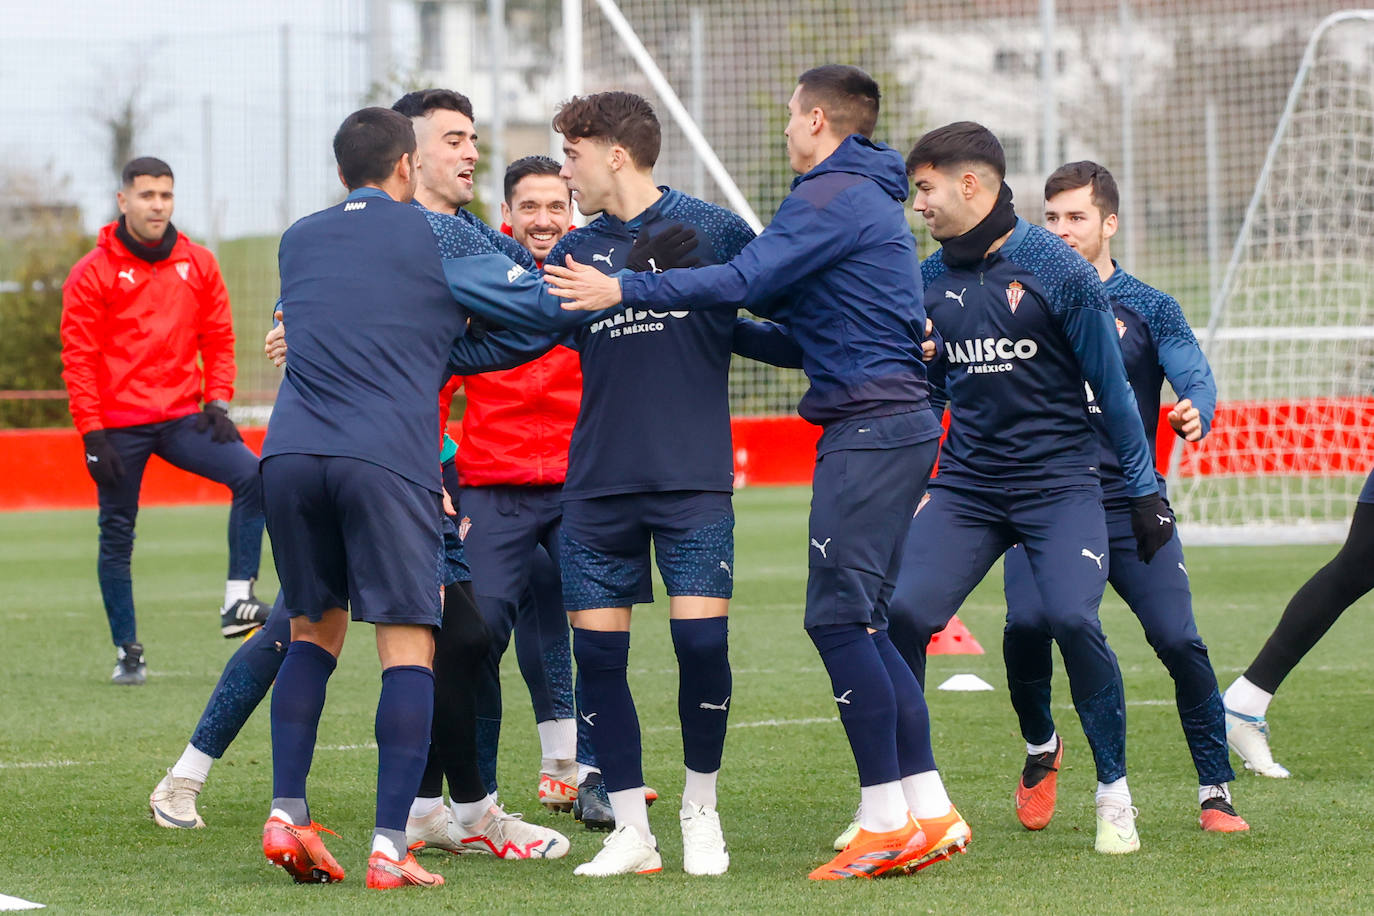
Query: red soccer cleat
{"points": [[1219, 817], [300, 851], [385, 873], [1038, 788], [870, 855]]}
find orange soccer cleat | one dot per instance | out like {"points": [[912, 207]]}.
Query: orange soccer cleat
{"points": [[1219, 817], [385, 873], [944, 836], [1038, 788], [870, 854], [300, 851]]}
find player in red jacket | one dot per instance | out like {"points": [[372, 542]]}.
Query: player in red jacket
{"points": [[512, 460], [148, 359]]}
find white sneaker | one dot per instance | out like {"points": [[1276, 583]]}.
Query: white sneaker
{"points": [[508, 836], [437, 830], [1248, 736], [623, 853], [849, 833], [703, 845], [1116, 833], [173, 802]]}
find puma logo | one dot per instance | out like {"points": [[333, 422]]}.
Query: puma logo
{"points": [[1164, 520], [589, 716], [821, 547], [723, 707], [1096, 558], [957, 297], [127, 274], [726, 566], [844, 698], [606, 257], [653, 267], [1185, 570]]}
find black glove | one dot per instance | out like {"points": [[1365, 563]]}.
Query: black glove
{"points": [[102, 461], [215, 417], [1152, 523], [479, 327], [671, 248]]}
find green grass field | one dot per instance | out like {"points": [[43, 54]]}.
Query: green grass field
{"points": [[78, 756]]}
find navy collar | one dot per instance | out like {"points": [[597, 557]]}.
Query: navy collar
{"points": [[365, 192]]}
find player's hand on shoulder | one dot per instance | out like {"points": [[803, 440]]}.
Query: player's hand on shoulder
{"points": [[671, 247], [102, 461], [1152, 523], [1186, 420], [214, 416]]}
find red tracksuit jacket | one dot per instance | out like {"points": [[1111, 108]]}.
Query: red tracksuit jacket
{"points": [[134, 335]]}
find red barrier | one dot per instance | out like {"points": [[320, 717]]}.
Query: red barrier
{"points": [[41, 468]]}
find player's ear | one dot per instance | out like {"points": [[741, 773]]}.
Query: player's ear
{"points": [[1110, 225], [969, 184]]}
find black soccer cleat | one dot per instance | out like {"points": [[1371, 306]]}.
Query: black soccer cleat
{"points": [[243, 615], [593, 806]]}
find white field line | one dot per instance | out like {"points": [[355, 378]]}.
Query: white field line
{"points": [[43, 764]]}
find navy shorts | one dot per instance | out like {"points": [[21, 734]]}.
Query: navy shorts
{"points": [[351, 534], [605, 547], [1367, 491], [862, 500], [452, 556]]}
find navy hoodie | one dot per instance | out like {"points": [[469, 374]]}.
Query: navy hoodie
{"points": [[837, 268]]}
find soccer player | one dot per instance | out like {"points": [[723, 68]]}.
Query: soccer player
{"points": [[1310, 613], [1156, 343], [512, 461], [1025, 322], [840, 252], [141, 314]]}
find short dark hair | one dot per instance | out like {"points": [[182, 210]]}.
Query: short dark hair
{"points": [[421, 102], [521, 169], [151, 166], [958, 144], [1086, 173], [369, 142], [620, 118], [848, 96]]}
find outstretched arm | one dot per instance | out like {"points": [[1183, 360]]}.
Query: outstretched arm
{"points": [[498, 350], [766, 342]]}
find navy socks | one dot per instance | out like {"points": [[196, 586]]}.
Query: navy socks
{"points": [[297, 701], [404, 713], [704, 686], [607, 709], [864, 695]]}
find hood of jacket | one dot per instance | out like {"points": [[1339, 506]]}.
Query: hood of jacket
{"points": [[858, 155]]}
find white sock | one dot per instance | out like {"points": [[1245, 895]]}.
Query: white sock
{"points": [[583, 771], [423, 806], [883, 807], [699, 788], [193, 764], [470, 814], [925, 795], [236, 590], [1046, 748], [277, 812], [386, 847], [1220, 790], [1117, 790], [1245, 698], [557, 742], [629, 808]]}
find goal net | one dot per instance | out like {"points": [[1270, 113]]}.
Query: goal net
{"points": [[1291, 340]]}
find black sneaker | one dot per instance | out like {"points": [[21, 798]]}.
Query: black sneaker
{"points": [[243, 615], [593, 806], [130, 668]]}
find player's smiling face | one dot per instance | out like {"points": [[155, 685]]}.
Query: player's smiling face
{"points": [[539, 213], [446, 153], [1074, 217], [587, 170], [938, 196]]}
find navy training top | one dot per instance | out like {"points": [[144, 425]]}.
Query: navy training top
{"points": [[1023, 329]]}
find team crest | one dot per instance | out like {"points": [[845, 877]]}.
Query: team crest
{"points": [[1120, 328], [464, 527], [1014, 293], [183, 269]]}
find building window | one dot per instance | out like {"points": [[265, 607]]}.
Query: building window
{"points": [[1015, 150], [431, 37]]}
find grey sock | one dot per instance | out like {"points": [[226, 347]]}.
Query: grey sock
{"points": [[396, 837], [295, 810]]}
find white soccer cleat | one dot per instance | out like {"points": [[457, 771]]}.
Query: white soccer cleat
{"points": [[173, 802], [703, 845], [509, 836], [623, 853], [849, 833], [1248, 736], [437, 830], [1116, 833]]}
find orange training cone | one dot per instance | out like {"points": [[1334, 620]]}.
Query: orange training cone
{"points": [[954, 639]]}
